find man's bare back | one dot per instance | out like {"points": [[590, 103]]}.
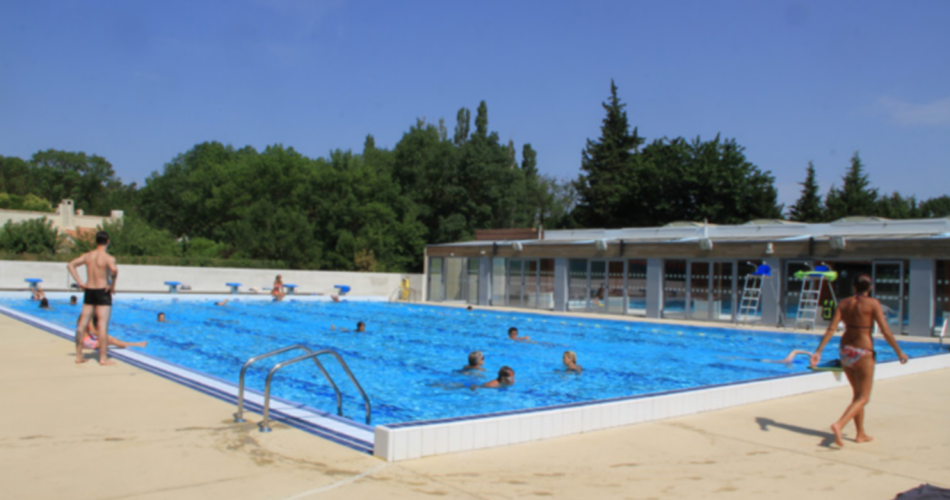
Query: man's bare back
{"points": [[100, 266]]}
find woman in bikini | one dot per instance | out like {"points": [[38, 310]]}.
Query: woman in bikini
{"points": [[278, 290], [856, 351]]}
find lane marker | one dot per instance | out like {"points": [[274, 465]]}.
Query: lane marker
{"points": [[343, 482]]}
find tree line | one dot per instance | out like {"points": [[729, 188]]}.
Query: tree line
{"points": [[856, 197], [369, 211], [375, 210]]}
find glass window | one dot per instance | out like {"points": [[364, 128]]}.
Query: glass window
{"points": [[577, 285], [515, 282], [942, 294], [721, 291], [498, 280], [454, 269], [637, 287], [530, 283], [435, 280], [597, 296], [674, 289], [699, 301], [546, 285], [471, 281], [615, 291]]}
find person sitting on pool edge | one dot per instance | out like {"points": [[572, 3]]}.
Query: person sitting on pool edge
{"points": [[476, 360], [506, 378], [570, 362], [513, 335], [278, 290], [91, 341], [37, 293], [161, 318]]}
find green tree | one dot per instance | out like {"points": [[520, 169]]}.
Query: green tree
{"points": [[30, 202], [855, 196], [426, 169], [133, 237], [896, 206], [808, 208], [481, 121], [35, 236], [675, 179], [462, 126], [87, 180], [935, 207], [15, 176], [604, 165]]}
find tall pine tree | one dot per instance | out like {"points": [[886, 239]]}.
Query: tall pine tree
{"points": [[855, 196], [808, 208], [600, 186]]}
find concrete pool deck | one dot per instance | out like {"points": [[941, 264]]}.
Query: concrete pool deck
{"points": [[115, 432]]}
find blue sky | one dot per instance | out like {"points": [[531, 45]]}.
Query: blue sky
{"points": [[140, 82]]}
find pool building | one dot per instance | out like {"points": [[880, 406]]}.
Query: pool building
{"points": [[698, 271]]}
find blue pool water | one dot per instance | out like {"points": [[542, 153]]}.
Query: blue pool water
{"points": [[407, 361]]}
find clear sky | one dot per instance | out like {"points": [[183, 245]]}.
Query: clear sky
{"points": [[140, 82]]}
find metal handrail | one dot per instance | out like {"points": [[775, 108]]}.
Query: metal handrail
{"points": [[239, 416], [265, 424]]}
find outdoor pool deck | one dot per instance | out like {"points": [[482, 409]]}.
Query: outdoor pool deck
{"points": [[119, 432]]}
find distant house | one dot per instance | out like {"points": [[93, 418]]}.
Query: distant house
{"points": [[66, 218]]}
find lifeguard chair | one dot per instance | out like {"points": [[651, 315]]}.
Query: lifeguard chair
{"points": [[751, 298]]}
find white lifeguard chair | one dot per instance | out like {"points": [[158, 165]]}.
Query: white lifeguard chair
{"points": [[808, 301], [751, 299]]}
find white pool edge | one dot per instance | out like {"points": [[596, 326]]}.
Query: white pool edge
{"points": [[410, 441], [396, 442], [339, 430]]}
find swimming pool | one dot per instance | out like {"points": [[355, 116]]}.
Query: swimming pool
{"points": [[408, 359]]}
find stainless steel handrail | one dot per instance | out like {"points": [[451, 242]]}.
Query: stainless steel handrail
{"points": [[265, 424], [239, 416]]}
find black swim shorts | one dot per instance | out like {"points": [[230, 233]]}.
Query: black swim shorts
{"points": [[97, 297]]}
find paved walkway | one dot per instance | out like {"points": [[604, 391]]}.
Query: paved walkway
{"points": [[91, 432]]}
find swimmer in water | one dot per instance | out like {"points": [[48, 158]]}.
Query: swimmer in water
{"points": [[360, 328], [513, 335], [476, 362], [506, 377], [161, 318], [570, 362]]}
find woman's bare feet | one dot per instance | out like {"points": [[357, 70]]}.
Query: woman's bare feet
{"points": [[81, 360], [106, 362], [837, 432], [863, 438]]}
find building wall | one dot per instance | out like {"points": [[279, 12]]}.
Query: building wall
{"points": [[64, 219], [134, 278]]}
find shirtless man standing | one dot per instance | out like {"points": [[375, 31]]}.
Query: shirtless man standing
{"points": [[98, 298]]}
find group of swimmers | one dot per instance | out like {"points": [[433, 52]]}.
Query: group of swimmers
{"points": [[506, 374]]}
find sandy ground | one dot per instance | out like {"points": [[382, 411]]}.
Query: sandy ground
{"points": [[91, 432]]}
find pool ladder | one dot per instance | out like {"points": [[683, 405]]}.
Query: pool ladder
{"points": [[265, 424]]}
